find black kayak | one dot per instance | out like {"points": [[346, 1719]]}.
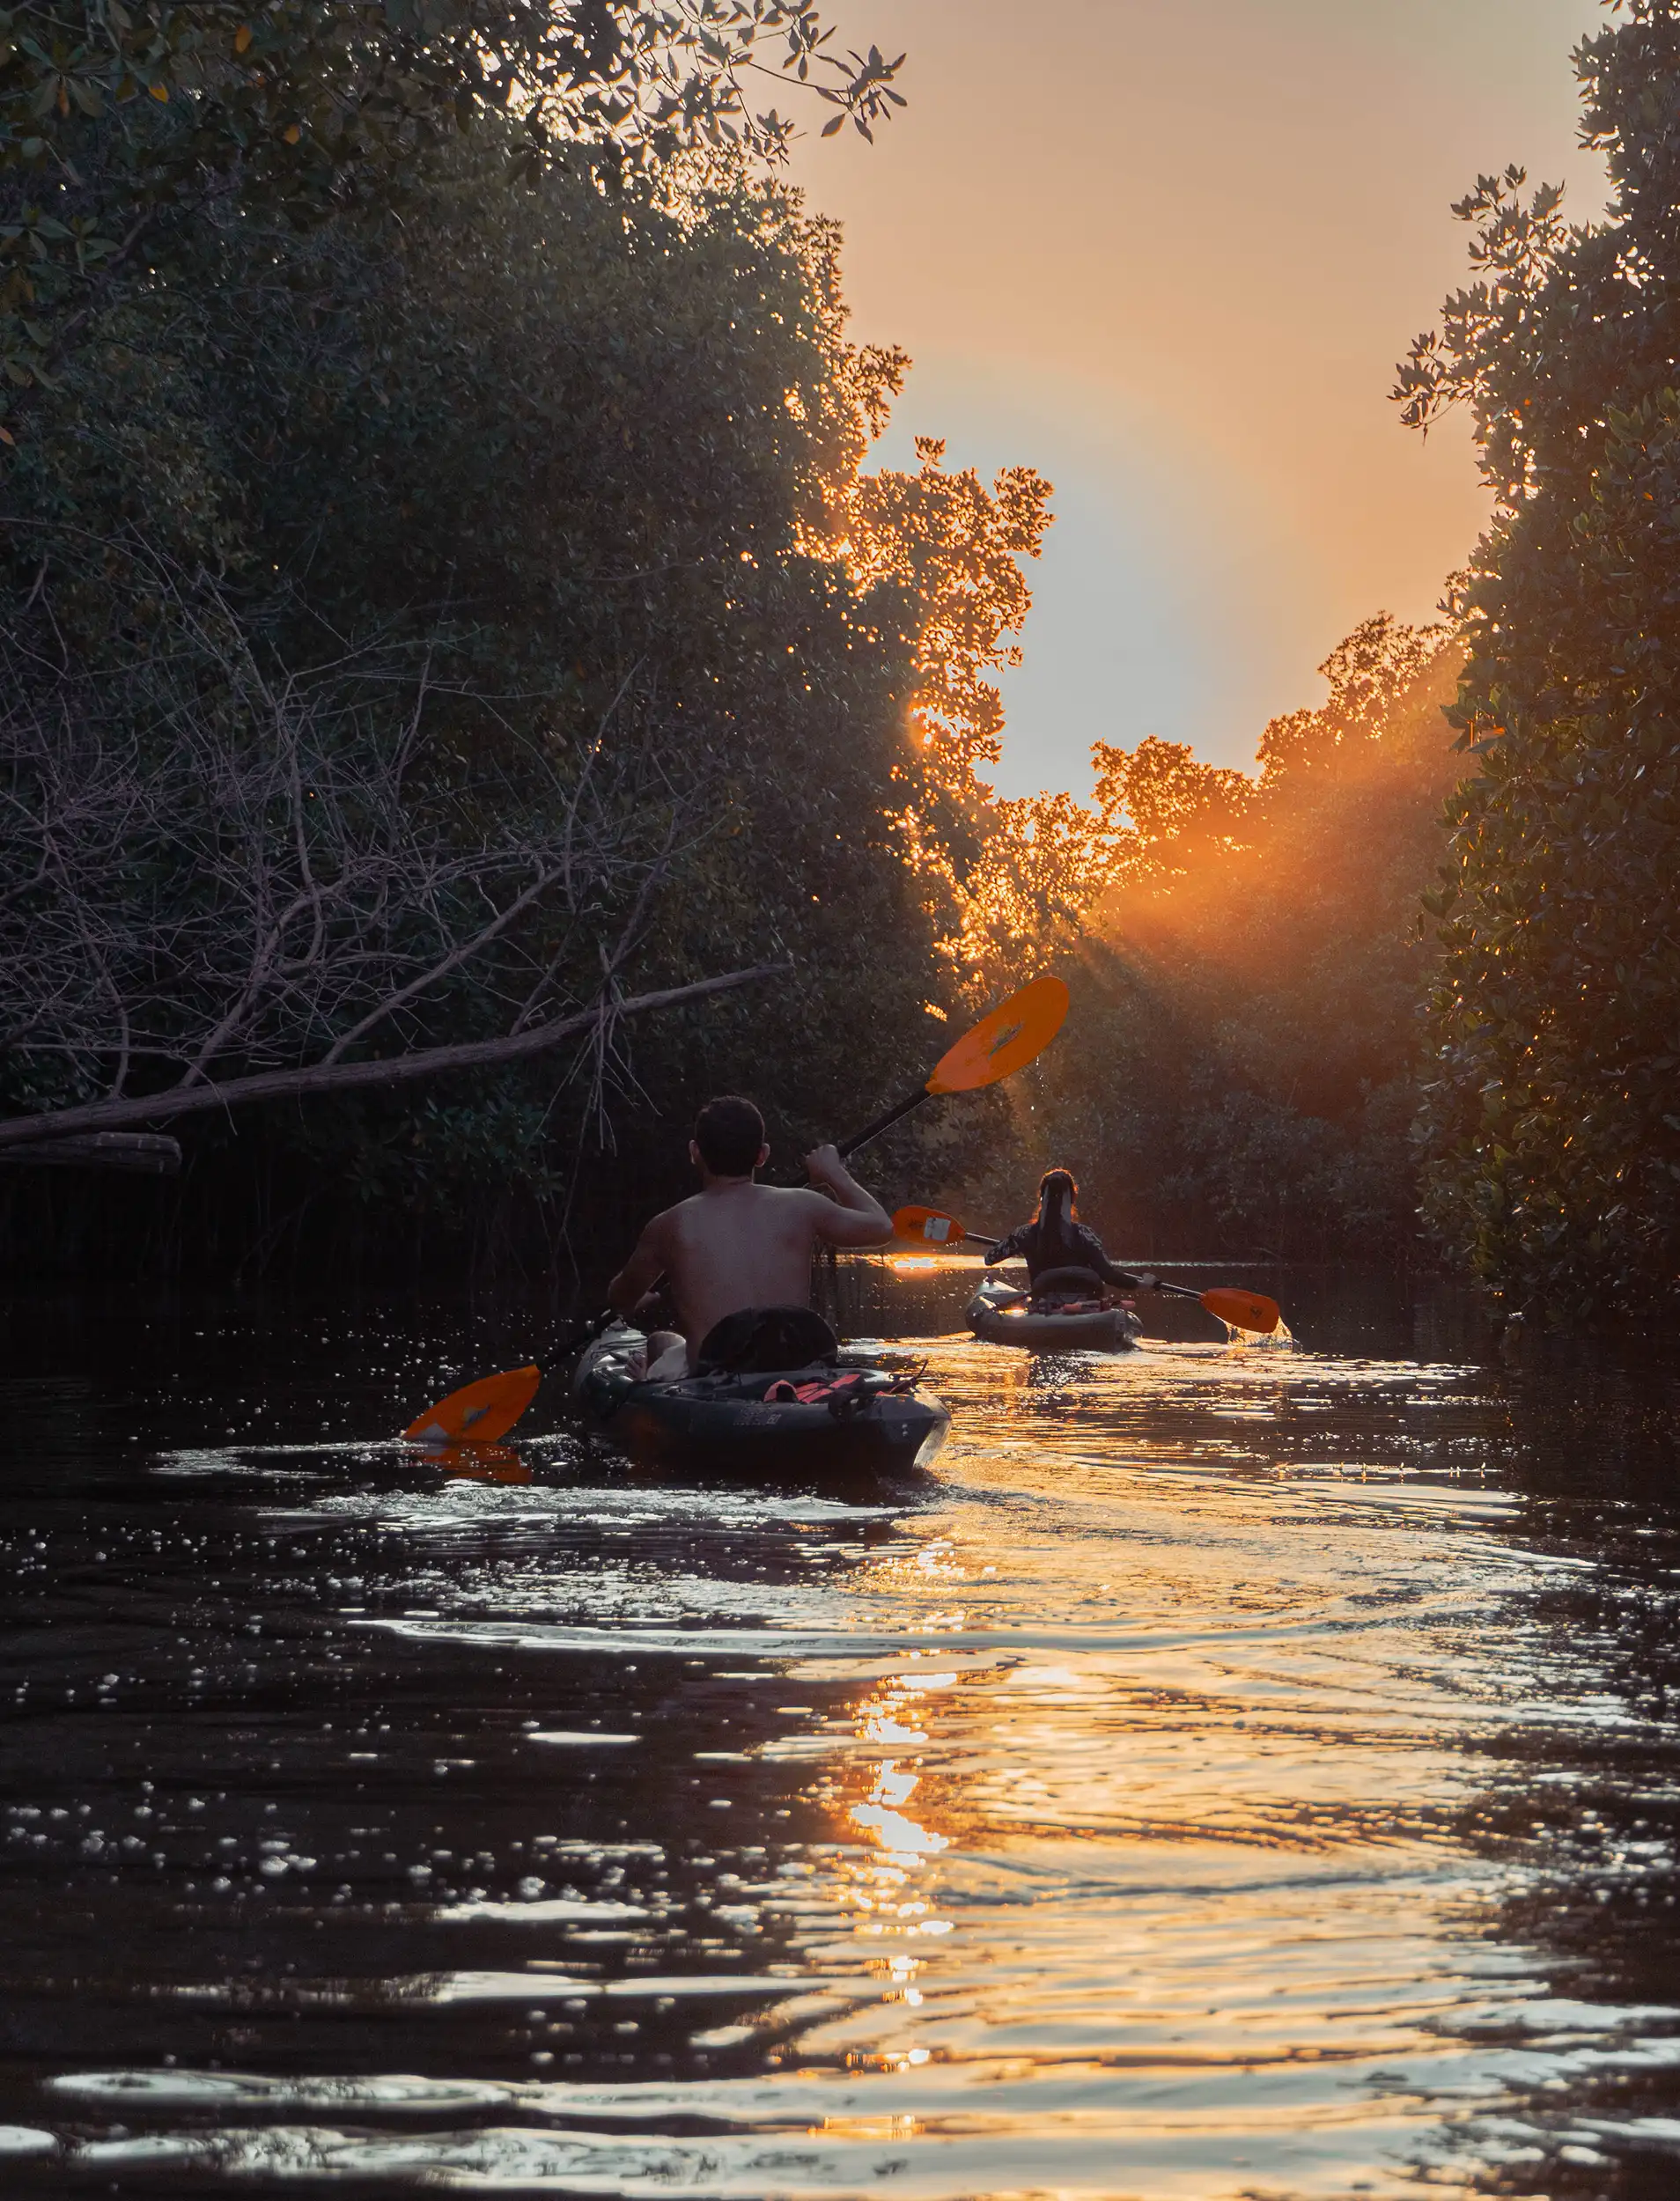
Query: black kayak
{"points": [[1054, 1321], [830, 1421]]}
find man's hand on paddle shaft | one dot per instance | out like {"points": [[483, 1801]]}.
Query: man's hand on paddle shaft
{"points": [[858, 1218], [637, 1280]]}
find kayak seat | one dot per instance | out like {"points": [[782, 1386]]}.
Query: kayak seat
{"points": [[765, 1340], [1067, 1283]]}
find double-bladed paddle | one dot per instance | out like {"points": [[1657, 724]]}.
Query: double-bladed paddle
{"points": [[1240, 1310], [1001, 1044]]}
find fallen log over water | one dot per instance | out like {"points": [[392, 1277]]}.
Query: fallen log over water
{"points": [[146, 1153]]}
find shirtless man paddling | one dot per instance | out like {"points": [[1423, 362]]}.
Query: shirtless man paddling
{"points": [[737, 1243]]}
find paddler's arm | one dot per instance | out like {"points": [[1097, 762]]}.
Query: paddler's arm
{"points": [[1011, 1248], [850, 1216], [1126, 1281], [641, 1271]]}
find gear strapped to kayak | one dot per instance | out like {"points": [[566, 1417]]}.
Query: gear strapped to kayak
{"points": [[1066, 1311], [812, 1418], [845, 1392]]}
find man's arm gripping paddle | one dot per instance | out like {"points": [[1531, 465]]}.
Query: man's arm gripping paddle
{"points": [[1240, 1310], [1001, 1044]]}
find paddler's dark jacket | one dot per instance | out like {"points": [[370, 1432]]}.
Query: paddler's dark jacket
{"points": [[1074, 1246]]}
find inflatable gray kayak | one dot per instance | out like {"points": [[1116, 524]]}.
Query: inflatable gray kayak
{"points": [[1064, 1319], [830, 1421]]}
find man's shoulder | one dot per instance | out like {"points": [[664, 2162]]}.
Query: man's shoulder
{"points": [[786, 1204], [667, 1220], [761, 1199], [792, 1208]]}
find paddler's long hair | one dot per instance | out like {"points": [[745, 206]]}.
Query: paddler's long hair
{"points": [[1058, 1207]]}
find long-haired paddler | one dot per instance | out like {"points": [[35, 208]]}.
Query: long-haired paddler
{"points": [[1056, 1239]]}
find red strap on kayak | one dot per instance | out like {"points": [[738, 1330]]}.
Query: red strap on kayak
{"points": [[816, 1394]]}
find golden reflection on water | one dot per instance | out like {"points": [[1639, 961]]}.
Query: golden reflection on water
{"points": [[1170, 1801], [882, 1889], [1188, 1807]]}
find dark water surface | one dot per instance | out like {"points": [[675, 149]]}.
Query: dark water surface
{"points": [[1232, 1774]]}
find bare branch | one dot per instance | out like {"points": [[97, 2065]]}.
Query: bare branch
{"points": [[239, 873], [143, 1153], [426, 1062]]}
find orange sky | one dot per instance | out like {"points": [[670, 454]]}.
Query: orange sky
{"points": [[1169, 254]]}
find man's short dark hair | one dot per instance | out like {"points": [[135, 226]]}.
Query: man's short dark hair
{"points": [[729, 1133]]}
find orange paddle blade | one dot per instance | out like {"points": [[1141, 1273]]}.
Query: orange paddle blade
{"points": [[1243, 1310], [479, 1413], [1006, 1040], [481, 1463], [928, 1226]]}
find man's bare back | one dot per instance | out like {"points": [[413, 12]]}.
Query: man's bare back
{"points": [[737, 1244]]}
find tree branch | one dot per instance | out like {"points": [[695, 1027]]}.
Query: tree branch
{"points": [[426, 1062], [134, 1151]]}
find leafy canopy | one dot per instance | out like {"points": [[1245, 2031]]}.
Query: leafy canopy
{"points": [[119, 117], [1551, 1136], [1246, 964], [579, 446]]}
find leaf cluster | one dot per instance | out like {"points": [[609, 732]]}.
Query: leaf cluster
{"points": [[121, 120]]}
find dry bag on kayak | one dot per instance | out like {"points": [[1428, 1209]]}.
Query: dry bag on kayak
{"points": [[764, 1340]]}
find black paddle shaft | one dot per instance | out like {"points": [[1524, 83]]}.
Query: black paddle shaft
{"points": [[884, 1123], [1179, 1291]]}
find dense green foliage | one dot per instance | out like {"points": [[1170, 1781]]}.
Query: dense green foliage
{"points": [[124, 122], [584, 449], [1552, 1135]]}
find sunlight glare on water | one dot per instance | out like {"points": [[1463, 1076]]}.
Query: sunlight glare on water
{"points": [[1234, 1772]]}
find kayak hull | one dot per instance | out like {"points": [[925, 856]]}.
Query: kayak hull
{"points": [[724, 1425], [1003, 1316]]}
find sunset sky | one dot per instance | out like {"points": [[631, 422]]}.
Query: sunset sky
{"points": [[1169, 255]]}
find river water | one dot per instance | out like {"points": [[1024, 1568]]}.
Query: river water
{"points": [[1231, 1773]]}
